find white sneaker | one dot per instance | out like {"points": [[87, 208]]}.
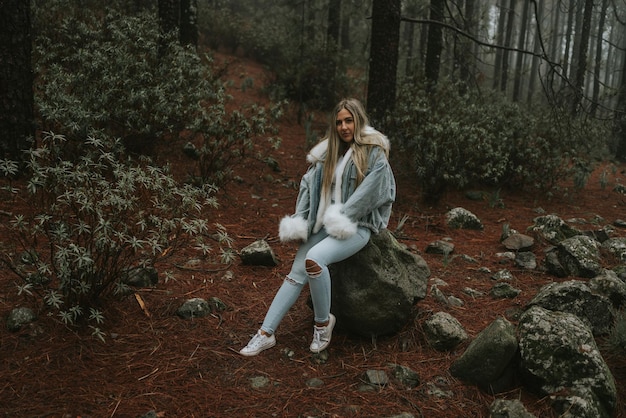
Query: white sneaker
{"points": [[257, 344], [322, 335]]}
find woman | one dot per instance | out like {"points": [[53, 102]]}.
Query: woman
{"points": [[345, 196]]}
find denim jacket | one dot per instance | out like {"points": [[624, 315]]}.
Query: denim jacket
{"points": [[368, 205]]}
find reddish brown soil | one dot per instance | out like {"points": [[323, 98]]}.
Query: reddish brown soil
{"points": [[154, 361]]}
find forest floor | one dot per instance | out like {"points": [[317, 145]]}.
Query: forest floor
{"points": [[152, 360]]}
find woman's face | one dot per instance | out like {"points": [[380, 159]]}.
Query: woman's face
{"points": [[345, 126]]}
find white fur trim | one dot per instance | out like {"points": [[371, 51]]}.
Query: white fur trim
{"points": [[293, 229], [337, 224], [317, 152]]}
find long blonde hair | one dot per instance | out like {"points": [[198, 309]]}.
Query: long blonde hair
{"points": [[365, 137]]}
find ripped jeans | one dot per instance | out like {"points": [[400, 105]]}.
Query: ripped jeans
{"points": [[318, 253]]}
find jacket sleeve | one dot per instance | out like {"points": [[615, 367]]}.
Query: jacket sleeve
{"points": [[296, 227]]}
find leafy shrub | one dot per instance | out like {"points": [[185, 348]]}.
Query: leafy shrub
{"points": [[103, 70], [456, 140], [96, 219]]}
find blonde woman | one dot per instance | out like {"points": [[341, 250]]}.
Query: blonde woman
{"points": [[345, 196]]}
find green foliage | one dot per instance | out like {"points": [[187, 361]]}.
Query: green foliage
{"points": [[275, 35], [104, 70], [95, 219], [456, 140]]}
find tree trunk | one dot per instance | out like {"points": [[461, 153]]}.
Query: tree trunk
{"points": [[534, 70], [383, 62], [620, 124], [598, 59], [581, 61], [521, 46], [504, 75], [16, 79], [169, 18], [568, 37], [497, 66], [332, 47], [467, 65], [189, 22], [435, 42]]}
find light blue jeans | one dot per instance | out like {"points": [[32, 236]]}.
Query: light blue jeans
{"points": [[324, 250]]}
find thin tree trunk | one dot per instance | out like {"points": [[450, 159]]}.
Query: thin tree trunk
{"points": [[534, 71], [435, 42], [332, 39], [169, 17], [466, 70], [189, 22], [504, 77], [581, 62], [383, 63], [497, 67], [598, 59], [16, 79], [521, 46], [568, 37]]}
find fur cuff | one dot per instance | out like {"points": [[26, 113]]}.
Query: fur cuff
{"points": [[337, 224], [293, 229]]}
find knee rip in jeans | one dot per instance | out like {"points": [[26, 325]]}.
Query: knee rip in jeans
{"points": [[313, 269], [291, 281]]}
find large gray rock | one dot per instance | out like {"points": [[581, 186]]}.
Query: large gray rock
{"points": [[611, 286], [487, 361], [578, 256], [559, 358], [374, 291], [552, 229], [616, 246], [576, 297]]}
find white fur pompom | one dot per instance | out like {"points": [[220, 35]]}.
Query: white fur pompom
{"points": [[337, 224], [293, 229]]}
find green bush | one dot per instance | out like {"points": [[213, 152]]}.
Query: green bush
{"points": [[95, 219], [454, 141], [103, 70]]}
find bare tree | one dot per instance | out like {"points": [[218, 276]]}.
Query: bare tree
{"points": [[16, 78]]}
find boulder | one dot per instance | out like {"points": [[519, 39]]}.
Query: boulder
{"points": [[488, 360], [559, 358], [374, 291], [576, 297], [577, 256]]}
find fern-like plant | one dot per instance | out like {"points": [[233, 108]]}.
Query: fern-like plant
{"points": [[96, 217]]}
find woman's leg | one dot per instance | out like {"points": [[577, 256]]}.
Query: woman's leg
{"points": [[319, 257], [291, 287]]}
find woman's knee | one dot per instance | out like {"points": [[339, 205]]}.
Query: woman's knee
{"points": [[313, 269]]}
